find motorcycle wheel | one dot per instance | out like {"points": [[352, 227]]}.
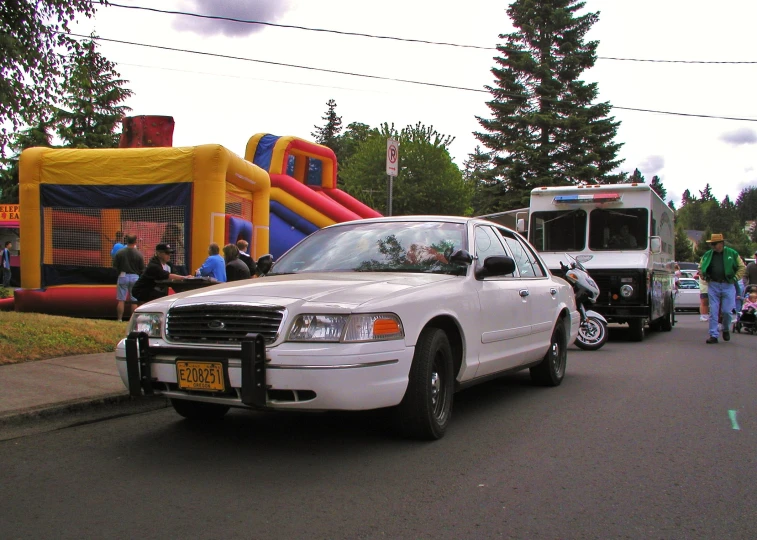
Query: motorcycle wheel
{"points": [[592, 335]]}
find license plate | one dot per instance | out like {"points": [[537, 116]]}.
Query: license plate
{"points": [[207, 376]]}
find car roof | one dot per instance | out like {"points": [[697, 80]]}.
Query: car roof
{"points": [[424, 218]]}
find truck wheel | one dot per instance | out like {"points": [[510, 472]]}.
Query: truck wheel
{"points": [[551, 370], [198, 411], [636, 329], [666, 323], [425, 411]]}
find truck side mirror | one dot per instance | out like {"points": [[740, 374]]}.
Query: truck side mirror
{"points": [[521, 225], [655, 244]]}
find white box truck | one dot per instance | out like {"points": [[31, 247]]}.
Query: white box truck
{"points": [[623, 234]]}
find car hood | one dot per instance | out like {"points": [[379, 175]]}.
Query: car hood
{"points": [[338, 289]]}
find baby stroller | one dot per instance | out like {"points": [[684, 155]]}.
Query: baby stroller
{"points": [[746, 319]]}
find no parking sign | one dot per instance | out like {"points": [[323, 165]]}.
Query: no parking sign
{"points": [[392, 157]]}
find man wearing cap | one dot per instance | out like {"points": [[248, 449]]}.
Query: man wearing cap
{"points": [[721, 267], [159, 268]]}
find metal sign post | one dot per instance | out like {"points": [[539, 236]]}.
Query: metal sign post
{"points": [[392, 168]]}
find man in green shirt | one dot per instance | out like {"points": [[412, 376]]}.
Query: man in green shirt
{"points": [[721, 267]]}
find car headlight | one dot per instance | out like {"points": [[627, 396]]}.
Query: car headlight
{"points": [[626, 291], [149, 323], [346, 328]]}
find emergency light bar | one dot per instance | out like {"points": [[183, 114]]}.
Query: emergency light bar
{"points": [[588, 198]]}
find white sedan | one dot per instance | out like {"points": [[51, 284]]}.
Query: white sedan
{"points": [[392, 313], [687, 296]]}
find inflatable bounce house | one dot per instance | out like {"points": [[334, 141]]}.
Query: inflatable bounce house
{"points": [[75, 203], [304, 196]]}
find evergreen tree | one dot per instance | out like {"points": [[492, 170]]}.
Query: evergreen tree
{"points": [[746, 202], [706, 194], [91, 107], [544, 129], [672, 206], [32, 50], [635, 178], [657, 187], [684, 250], [328, 135], [686, 198], [477, 172]]}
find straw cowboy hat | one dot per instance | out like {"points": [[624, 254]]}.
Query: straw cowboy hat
{"points": [[715, 238]]}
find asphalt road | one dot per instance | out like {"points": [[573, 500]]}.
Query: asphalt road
{"points": [[642, 440]]}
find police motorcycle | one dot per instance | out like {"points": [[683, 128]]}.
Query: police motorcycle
{"points": [[592, 333]]}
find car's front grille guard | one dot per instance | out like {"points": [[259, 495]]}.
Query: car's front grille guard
{"points": [[193, 324], [139, 358]]}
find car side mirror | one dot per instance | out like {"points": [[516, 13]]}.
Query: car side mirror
{"points": [[264, 264], [655, 244], [497, 265]]}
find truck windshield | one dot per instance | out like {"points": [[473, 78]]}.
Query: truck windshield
{"points": [[625, 228], [561, 230]]}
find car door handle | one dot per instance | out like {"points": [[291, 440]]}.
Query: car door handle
{"points": [[523, 292], [553, 291]]}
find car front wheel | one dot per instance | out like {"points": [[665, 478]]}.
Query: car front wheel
{"points": [[551, 370], [198, 411], [426, 408]]}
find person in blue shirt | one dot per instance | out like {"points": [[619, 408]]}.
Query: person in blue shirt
{"points": [[214, 266], [120, 237]]}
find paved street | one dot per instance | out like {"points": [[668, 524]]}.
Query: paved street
{"points": [[642, 440]]}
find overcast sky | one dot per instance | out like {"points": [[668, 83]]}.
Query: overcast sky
{"points": [[227, 100]]}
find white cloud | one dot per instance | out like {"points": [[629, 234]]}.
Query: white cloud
{"points": [[652, 165], [257, 10], [739, 136]]}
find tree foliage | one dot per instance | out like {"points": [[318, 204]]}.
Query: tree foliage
{"points": [[428, 181], [544, 128], [706, 213], [683, 248], [38, 135], [32, 48], [657, 187], [91, 108]]}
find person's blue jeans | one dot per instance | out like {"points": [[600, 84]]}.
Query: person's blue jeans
{"points": [[722, 297], [6, 277]]}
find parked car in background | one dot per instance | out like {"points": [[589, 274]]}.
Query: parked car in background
{"points": [[394, 313], [687, 297]]}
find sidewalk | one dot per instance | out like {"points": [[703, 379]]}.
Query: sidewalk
{"points": [[45, 388]]}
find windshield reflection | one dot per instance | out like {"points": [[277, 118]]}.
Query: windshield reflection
{"points": [[407, 246]]}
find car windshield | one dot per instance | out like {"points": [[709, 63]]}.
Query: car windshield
{"points": [[394, 246]]}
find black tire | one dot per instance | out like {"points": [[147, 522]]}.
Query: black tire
{"points": [[593, 337], [636, 329], [551, 370], [426, 408], [666, 323], [198, 411]]}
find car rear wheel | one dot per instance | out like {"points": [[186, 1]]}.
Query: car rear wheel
{"points": [[551, 370], [198, 411], [426, 408]]}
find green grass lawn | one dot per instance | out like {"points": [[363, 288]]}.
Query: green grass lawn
{"points": [[25, 337]]}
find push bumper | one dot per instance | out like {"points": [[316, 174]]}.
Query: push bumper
{"points": [[139, 359]]}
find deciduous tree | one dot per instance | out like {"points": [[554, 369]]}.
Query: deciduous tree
{"points": [[33, 46], [428, 181]]}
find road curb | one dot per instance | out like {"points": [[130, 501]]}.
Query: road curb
{"points": [[118, 404]]}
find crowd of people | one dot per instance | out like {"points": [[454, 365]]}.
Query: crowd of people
{"points": [[138, 283]]}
